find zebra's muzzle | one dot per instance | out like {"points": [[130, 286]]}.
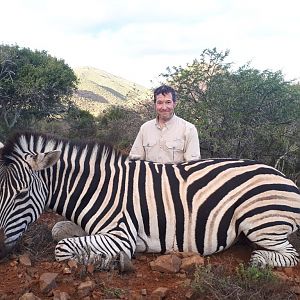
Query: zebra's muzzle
{"points": [[3, 249]]}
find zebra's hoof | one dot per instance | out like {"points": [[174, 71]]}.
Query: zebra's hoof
{"points": [[125, 263]]}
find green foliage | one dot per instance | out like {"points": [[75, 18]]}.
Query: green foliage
{"points": [[252, 273], [81, 123], [243, 113], [33, 86], [112, 292], [119, 125], [215, 282]]}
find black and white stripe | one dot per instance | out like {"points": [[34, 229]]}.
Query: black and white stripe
{"points": [[123, 205]]}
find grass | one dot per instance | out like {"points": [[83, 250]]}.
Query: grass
{"points": [[214, 282]]}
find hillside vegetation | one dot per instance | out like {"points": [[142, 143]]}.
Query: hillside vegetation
{"points": [[98, 90]]}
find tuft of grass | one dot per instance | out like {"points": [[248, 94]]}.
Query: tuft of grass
{"points": [[252, 274], [247, 282], [112, 292]]}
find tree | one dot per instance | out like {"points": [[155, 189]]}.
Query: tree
{"points": [[33, 86], [243, 113]]}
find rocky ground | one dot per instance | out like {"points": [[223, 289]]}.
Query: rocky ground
{"points": [[32, 273]]}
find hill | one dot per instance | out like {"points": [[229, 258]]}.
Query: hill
{"points": [[97, 89]]}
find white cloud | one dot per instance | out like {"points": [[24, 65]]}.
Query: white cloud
{"points": [[138, 39]]}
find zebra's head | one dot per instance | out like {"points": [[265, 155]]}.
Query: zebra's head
{"points": [[22, 190]]}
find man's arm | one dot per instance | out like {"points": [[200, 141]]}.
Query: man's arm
{"points": [[137, 151], [192, 147]]}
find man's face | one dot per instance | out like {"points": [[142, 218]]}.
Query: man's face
{"points": [[164, 107]]}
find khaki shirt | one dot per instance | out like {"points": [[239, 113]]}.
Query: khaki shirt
{"points": [[175, 142]]}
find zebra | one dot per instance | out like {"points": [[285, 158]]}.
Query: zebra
{"points": [[127, 206]]}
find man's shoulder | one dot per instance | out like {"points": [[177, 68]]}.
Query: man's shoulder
{"points": [[148, 124], [184, 122]]}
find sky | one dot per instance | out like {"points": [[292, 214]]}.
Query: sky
{"points": [[139, 39]]}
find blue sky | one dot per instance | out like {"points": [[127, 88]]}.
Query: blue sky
{"points": [[139, 39]]}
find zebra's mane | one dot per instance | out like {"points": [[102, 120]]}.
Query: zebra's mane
{"points": [[35, 138]]}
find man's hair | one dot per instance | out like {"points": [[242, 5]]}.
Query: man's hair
{"points": [[164, 89]]}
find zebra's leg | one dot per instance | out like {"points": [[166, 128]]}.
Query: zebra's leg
{"points": [[105, 251], [276, 253], [66, 229]]}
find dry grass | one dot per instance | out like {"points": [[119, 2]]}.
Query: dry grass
{"points": [[215, 282], [38, 242]]}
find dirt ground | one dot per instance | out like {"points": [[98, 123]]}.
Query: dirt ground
{"points": [[18, 279]]}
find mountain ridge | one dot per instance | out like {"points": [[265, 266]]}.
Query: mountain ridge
{"points": [[98, 89]]}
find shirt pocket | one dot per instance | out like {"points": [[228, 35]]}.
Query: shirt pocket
{"points": [[149, 144], [149, 147], [175, 148], [175, 145]]}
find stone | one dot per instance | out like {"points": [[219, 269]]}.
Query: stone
{"points": [[73, 264], [25, 260], [166, 264], [159, 293], [85, 288], [58, 295], [188, 264], [29, 296], [47, 282]]}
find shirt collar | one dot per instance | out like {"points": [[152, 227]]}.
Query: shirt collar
{"points": [[167, 124]]}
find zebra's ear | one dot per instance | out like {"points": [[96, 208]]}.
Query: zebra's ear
{"points": [[42, 161]]}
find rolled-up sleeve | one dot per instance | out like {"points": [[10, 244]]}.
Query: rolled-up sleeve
{"points": [[137, 151], [192, 146]]}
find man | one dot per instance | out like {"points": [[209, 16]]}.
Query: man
{"points": [[167, 138]]}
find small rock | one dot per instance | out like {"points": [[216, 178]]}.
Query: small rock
{"points": [[133, 295], [144, 292], [191, 295], [159, 293], [58, 295], [25, 260], [32, 272], [166, 264], [67, 271], [189, 263], [47, 282], [13, 263], [29, 296], [73, 264], [85, 288]]}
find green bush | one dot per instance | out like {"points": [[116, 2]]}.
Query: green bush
{"points": [[215, 282]]}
